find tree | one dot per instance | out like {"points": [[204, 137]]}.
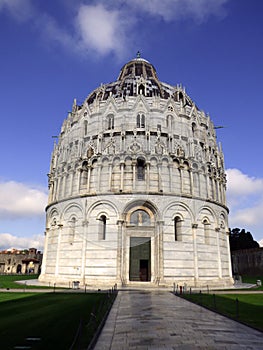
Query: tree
{"points": [[240, 239]]}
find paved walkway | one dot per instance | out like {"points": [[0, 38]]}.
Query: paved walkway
{"points": [[151, 320]]}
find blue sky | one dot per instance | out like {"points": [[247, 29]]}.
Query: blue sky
{"points": [[54, 51]]}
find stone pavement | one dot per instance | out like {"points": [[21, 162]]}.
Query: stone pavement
{"points": [[158, 320]]}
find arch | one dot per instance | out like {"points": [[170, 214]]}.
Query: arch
{"points": [[203, 211], [101, 203], [53, 212], [72, 209], [136, 204], [179, 205]]}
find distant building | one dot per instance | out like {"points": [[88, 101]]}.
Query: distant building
{"points": [[137, 189], [20, 261], [247, 261]]}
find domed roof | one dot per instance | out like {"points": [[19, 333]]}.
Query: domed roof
{"points": [[138, 67], [137, 77]]}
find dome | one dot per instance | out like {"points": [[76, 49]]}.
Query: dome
{"points": [[138, 77]]}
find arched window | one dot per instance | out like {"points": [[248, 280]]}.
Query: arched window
{"points": [[176, 220], [110, 121], [140, 169], [85, 127], [169, 122], [102, 227], [72, 229], [206, 230], [140, 120], [193, 129], [141, 89]]}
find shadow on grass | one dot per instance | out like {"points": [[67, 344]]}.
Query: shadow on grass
{"points": [[51, 320]]}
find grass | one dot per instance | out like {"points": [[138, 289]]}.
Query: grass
{"points": [[54, 318], [9, 281], [248, 309], [253, 280]]}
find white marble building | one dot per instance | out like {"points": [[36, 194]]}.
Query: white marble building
{"points": [[137, 190]]}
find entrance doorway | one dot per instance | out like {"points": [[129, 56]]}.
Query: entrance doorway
{"points": [[144, 270], [140, 259]]}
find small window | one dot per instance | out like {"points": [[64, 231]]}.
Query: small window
{"points": [[193, 128], [206, 230], [140, 169], [176, 227], [110, 121], [141, 89], [159, 127], [85, 127], [102, 227], [169, 122], [140, 120]]}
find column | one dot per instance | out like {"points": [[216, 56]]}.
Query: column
{"points": [[170, 167], [88, 180], [134, 174], [99, 176], [71, 183], [196, 275], [122, 175], [84, 251], [181, 172], [59, 230], [159, 166], [207, 187], [191, 182], [120, 262], [217, 229], [229, 254], [44, 261], [147, 176], [110, 176], [79, 172], [160, 251]]}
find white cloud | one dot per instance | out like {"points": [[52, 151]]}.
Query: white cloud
{"points": [[8, 241], [21, 10], [103, 27], [20, 200], [170, 10], [245, 200], [242, 184]]}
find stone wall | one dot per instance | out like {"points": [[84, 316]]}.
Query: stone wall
{"points": [[17, 261], [247, 261]]}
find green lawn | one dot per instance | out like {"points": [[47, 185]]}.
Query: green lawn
{"points": [[52, 318], [248, 309], [253, 280], [8, 281]]}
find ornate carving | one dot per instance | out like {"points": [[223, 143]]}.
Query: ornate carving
{"points": [[135, 147]]}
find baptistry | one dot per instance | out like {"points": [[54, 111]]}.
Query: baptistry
{"points": [[137, 190]]}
